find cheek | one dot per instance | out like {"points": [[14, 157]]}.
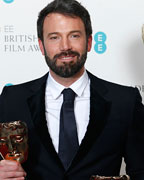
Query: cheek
{"points": [[79, 47], [81, 50], [51, 50], [3, 149], [22, 145]]}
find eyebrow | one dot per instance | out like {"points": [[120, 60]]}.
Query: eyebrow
{"points": [[75, 31]]}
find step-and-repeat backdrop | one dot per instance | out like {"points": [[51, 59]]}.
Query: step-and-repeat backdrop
{"points": [[117, 53]]}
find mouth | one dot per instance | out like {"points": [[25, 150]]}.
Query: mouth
{"points": [[67, 58]]}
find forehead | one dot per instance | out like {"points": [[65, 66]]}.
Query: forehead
{"points": [[8, 132], [62, 23], [7, 129]]}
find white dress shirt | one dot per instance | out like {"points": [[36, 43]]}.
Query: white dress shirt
{"points": [[53, 103]]}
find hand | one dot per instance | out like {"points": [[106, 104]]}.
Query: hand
{"points": [[11, 170]]}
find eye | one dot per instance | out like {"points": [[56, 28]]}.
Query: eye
{"points": [[3, 140], [17, 138], [75, 36], [53, 38]]}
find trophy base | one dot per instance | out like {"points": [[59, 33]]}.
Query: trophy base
{"points": [[123, 177]]}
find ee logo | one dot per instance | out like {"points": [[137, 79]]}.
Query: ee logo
{"points": [[100, 39], [8, 1]]}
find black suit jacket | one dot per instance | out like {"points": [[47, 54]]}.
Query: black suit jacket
{"points": [[115, 130]]}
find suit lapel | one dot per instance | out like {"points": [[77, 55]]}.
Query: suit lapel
{"points": [[36, 104], [99, 110]]}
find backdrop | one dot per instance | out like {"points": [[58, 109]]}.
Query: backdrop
{"points": [[117, 53]]}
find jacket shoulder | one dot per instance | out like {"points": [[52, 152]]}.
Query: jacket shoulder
{"points": [[114, 89], [25, 88]]}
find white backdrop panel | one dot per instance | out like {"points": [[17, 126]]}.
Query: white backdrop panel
{"points": [[121, 21]]}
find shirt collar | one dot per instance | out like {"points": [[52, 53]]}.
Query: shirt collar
{"points": [[78, 86]]}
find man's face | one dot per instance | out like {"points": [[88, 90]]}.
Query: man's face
{"points": [[64, 44], [13, 141]]}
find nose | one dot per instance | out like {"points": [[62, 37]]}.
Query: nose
{"points": [[10, 146], [65, 44]]}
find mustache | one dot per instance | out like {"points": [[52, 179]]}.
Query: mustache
{"points": [[67, 53]]}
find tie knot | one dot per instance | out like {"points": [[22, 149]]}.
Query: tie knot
{"points": [[68, 94]]}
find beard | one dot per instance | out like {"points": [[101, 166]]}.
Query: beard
{"points": [[67, 69]]}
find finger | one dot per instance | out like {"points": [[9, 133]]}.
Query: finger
{"points": [[12, 175], [8, 165], [8, 162], [11, 169], [19, 178]]}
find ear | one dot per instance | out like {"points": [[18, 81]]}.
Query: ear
{"points": [[41, 46], [89, 43]]}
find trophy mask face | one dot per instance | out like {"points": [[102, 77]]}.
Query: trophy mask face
{"points": [[13, 141]]}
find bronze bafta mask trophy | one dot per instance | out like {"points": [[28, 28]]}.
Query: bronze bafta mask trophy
{"points": [[13, 141], [124, 177]]}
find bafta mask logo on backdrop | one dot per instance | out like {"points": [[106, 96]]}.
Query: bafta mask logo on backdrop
{"points": [[143, 33], [8, 1], [100, 42]]}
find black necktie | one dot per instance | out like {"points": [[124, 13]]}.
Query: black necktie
{"points": [[68, 139]]}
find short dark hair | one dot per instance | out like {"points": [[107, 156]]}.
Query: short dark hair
{"points": [[66, 7]]}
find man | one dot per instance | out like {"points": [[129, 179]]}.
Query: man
{"points": [[109, 118]]}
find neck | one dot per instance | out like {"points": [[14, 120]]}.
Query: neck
{"points": [[67, 81]]}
